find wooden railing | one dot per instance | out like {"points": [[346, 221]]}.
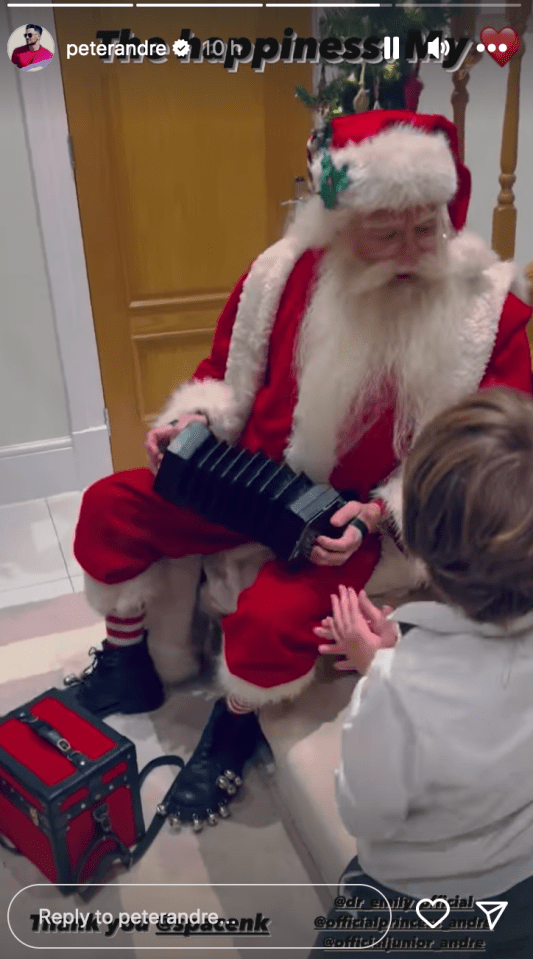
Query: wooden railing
{"points": [[463, 25], [504, 216]]}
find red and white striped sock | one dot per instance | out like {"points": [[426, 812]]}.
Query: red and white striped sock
{"points": [[125, 632], [238, 706]]}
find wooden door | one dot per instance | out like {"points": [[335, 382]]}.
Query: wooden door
{"points": [[180, 172]]}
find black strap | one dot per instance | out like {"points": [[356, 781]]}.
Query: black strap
{"points": [[51, 735], [105, 832], [122, 853], [164, 810], [160, 761], [87, 890]]}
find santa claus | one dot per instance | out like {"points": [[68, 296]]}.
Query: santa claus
{"points": [[371, 315]]}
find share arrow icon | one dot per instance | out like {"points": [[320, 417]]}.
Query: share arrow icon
{"points": [[493, 911]]}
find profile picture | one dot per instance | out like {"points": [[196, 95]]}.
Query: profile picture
{"points": [[30, 47]]}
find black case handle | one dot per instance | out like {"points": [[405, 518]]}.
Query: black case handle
{"points": [[51, 735], [105, 832]]}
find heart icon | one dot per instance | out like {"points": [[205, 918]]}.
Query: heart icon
{"points": [[507, 37], [433, 903]]}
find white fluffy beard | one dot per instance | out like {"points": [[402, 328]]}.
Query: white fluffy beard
{"points": [[365, 328]]}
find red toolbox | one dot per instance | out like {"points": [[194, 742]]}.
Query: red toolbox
{"points": [[69, 789]]}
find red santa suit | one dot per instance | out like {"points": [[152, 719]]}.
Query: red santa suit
{"points": [[251, 391]]}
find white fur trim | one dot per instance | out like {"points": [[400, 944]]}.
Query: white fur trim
{"points": [[228, 403], [214, 397], [256, 315], [259, 695], [396, 169], [520, 287], [469, 255], [392, 494], [315, 225], [485, 293]]}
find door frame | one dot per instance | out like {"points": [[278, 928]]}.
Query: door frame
{"points": [[43, 102], [57, 208]]}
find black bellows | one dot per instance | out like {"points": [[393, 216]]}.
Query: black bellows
{"points": [[249, 493]]}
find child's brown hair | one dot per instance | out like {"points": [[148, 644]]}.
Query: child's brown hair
{"points": [[468, 503]]}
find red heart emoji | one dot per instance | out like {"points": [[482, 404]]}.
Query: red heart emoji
{"points": [[507, 36]]}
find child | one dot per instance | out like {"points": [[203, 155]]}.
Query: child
{"points": [[436, 780]]}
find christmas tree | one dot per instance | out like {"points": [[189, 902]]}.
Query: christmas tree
{"points": [[391, 86]]}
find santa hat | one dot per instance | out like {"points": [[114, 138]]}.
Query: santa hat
{"points": [[392, 159]]}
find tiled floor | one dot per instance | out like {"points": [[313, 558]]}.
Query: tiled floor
{"points": [[36, 559], [239, 868]]}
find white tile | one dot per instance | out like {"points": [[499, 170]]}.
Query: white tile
{"points": [[78, 583], [35, 593], [31, 657], [29, 547], [64, 510]]}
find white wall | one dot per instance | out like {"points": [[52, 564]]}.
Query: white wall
{"points": [[53, 436], [483, 135], [32, 394]]}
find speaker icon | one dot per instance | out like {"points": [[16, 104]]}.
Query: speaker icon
{"points": [[434, 48], [438, 48]]}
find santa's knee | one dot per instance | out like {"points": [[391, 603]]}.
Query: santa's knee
{"points": [[113, 542], [101, 499], [264, 660], [115, 582], [101, 510]]}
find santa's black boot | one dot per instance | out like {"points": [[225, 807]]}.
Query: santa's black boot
{"points": [[214, 772], [119, 680]]}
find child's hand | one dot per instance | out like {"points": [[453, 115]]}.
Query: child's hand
{"points": [[378, 621], [357, 629]]}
